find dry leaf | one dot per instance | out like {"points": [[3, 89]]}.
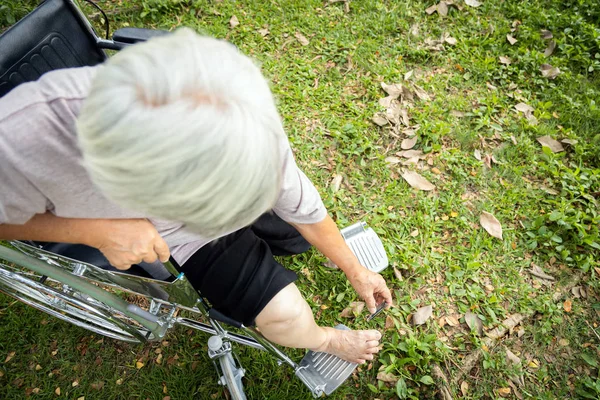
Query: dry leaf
{"points": [[464, 388], [552, 144], [380, 119], [474, 323], [512, 357], [409, 143], [35, 390], [301, 38], [567, 305], [57, 391], [432, 9], [504, 392], [571, 142], [452, 320], [410, 153], [421, 93], [97, 385], [477, 154], [511, 39], [409, 74], [336, 182], [38, 367], [472, 3], [457, 114], [394, 89], [417, 181], [550, 49], [234, 21], [354, 309], [119, 381], [139, 364], [75, 383], [387, 377], [9, 356], [524, 108], [392, 160], [450, 40], [414, 233], [538, 272], [389, 322], [490, 86], [548, 71], [263, 32], [422, 315], [398, 274], [491, 224], [159, 359], [442, 8], [546, 34], [505, 60], [404, 115]]}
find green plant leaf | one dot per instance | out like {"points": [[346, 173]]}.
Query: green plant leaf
{"points": [[401, 389], [588, 358], [372, 388], [426, 379]]}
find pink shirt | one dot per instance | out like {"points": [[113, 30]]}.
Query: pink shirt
{"points": [[40, 164]]}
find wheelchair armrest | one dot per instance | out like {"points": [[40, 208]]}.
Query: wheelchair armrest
{"points": [[134, 35]]}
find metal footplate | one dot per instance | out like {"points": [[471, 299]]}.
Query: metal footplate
{"points": [[366, 246], [323, 373]]}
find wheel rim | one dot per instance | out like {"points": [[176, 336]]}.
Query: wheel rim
{"points": [[73, 307]]}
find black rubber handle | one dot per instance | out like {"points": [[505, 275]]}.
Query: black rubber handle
{"points": [[214, 314]]}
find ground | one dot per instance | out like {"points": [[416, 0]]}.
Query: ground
{"points": [[481, 83]]}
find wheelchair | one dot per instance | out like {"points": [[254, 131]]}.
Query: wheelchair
{"points": [[76, 284]]}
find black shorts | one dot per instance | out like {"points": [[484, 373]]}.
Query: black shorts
{"points": [[238, 274]]}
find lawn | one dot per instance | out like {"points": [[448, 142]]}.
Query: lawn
{"points": [[511, 317]]}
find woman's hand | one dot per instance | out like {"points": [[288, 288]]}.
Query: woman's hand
{"points": [[125, 242], [371, 287]]}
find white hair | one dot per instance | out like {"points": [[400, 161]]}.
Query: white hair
{"points": [[185, 128]]}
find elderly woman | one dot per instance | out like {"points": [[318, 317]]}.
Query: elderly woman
{"points": [[175, 147]]}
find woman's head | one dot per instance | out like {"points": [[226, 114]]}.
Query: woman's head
{"points": [[184, 127]]}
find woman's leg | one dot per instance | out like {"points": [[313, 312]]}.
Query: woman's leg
{"points": [[288, 320], [240, 278]]}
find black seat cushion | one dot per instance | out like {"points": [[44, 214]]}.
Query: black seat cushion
{"points": [[51, 37]]}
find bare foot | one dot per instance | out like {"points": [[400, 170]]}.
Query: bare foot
{"points": [[353, 346]]}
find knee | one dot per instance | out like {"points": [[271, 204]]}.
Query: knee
{"points": [[284, 310]]}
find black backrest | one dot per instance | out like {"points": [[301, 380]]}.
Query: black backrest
{"points": [[52, 36]]}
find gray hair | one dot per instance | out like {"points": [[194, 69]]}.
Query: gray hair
{"points": [[185, 128]]}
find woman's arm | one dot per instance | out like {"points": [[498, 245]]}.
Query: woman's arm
{"points": [[122, 241], [326, 237]]}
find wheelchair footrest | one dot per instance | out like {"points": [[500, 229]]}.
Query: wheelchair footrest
{"points": [[366, 246], [323, 373]]}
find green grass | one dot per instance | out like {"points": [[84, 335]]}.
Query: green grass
{"points": [[328, 92]]}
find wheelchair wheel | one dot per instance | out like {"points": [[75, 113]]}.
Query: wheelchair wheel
{"points": [[70, 305], [232, 376]]}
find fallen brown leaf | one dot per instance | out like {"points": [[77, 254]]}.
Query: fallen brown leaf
{"points": [[550, 49], [504, 392], [234, 21], [417, 181], [472, 3], [474, 323], [548, 71], [505, 60], [546, 34], [263, 32], [422, 315], [567, 305], [353, 310], [511, 39], [387, 377], [464, 388], [398, 274], [551, 143], [301, 39], [408, 143], [491, 224], [442, 8]]}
